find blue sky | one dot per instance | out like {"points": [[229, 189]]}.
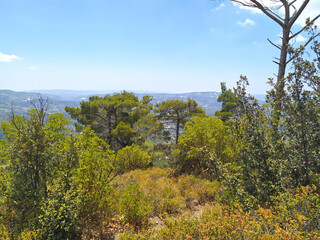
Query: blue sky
{"points": [[137, 45]]}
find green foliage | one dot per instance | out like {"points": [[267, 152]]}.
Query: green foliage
{"points": [[4, 187], [131, 158], [205, 148], [120, 119], [4, 234], [301, 205], [29, 234], [91, 182], [257, 166], [135, 206], [178, 112], [124, 134], [278, 149], [33, 163], [60, 214], [55, 185], [301, 110], [229, 103]]}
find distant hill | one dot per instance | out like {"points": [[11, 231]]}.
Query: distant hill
{"points": [[19, 102], [207, 100]]}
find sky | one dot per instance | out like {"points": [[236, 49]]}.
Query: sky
{"points": [[136, 45]]}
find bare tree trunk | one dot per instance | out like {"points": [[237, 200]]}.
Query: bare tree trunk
{"points": [[282, 68], [177, 130]]}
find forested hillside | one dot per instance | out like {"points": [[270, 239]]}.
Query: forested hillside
{"points": [[21, 102], [207, 100], [124, 165], [59, 99], [138, 170]]}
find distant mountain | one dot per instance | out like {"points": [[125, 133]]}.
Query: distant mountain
{"points": [[207, 100], [19, 102], [72, 95]]}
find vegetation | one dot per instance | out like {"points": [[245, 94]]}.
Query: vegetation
{"points": [[285, 21], [178, 112], [205, 148], [250, 172], [120, 119]]}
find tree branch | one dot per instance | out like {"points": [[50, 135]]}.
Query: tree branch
{"points": [[305, 45], [298, 13], [273, 44], [265, 10], [286, 10], [304, 28]]}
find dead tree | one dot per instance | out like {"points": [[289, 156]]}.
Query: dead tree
{"points": [[286, 20]]}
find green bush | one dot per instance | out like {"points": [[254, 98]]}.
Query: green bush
{"points": [[132, 157], [4, 234], [135, 206], [60, 217], [205, 148]]}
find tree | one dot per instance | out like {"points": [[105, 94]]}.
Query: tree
{"points": [[277, 154], [205, 148], [257, 163], [302, 111], [91, 182], [4, 187], [229, 103], [286, 21], [117, 119], [178, 112], [34, 162]]}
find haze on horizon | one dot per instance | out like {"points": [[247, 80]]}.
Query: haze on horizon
{"points": [[140, 45]]}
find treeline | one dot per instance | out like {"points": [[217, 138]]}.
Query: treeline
{"points": [[256, 166]]}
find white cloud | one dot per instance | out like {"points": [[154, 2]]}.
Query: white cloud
{"points": [[8, 58], [312, 9], [267, 3], [33, 68], [222, 5], [279, 38], [247, 22], [300, 38]]}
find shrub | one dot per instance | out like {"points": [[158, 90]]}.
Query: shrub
{"points": [[192, 188], [60, 217], [296, 216], [205, 148], [168, 194], [27, 234], [301, 206], [4, 234], [132, 157], [135, 206]]}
